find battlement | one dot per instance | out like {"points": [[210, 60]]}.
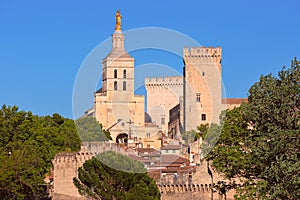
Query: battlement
{"points": [[203, 54], [89, 150], [64, 157], [164, 81], [184, 188]]}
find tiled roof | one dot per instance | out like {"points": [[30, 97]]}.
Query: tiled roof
{"points": [[234, 101], [173, 159], [171, 147], [99, 91], [144, 150]]}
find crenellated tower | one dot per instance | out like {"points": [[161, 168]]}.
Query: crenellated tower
{"points": [[203, 85]]}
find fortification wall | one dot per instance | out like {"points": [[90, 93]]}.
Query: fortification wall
{"points": [[190, 192], [65, 167], [163, 94]]}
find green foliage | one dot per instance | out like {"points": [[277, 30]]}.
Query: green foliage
{"points": [[90, 130], [211, 138], [202, 130], [28, 143], [120, 162], [100, 181], [274, 113], [260, 140], [190, 136], [230, 155]]}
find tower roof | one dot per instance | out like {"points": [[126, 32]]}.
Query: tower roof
{"points": [[118, 50]]}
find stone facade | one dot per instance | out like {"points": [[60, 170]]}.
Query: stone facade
{"points": [[65, 167], [203, 87], [175, 104], [163, 93], [116, 102]]}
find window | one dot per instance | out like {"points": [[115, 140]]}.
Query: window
{"points": [[115, 74], [163, 121], [124, 85], [203, 73], [148, 134], [124, 73], [115, 85], [203, 117], [198, 98]]}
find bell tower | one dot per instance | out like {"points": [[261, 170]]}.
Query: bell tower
{"points": [[116, 101], [118, 66]]}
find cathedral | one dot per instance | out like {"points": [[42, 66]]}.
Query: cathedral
{"points": [[175, 104]]}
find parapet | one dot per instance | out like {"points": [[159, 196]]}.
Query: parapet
{"points": [[64, 157], [164, 81], [184, 188], [89, 150], [203, 54]]}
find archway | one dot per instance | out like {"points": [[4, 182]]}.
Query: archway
{"points": [[122, 138]]}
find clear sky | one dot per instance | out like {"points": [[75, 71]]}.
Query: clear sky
{"points": [[43, 43]]}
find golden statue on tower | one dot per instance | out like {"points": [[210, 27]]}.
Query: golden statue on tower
{"points": [[118, 21]]}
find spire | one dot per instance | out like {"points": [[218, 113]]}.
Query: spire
{"points": [[118, 39], [118, 21]]}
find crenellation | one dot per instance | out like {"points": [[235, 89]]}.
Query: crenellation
{"points": [[164, 80], [203, 54], [66, 164], [163, 83], [184, 188]]}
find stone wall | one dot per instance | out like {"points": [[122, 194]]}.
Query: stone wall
{"points": [[65, 166], [203, 91], [163, 94], [191, 192]]}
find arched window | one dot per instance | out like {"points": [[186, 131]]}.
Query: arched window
{"points": [[115, 85], [115, 74], [203, 117], [124, 85], [124, 73]]}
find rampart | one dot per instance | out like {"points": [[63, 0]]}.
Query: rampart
{"points": [[65, 166], [203, 54], [167, 81], [190, 192]]}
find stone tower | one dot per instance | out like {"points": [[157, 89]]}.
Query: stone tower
{"points": [[115, 102], [203, 86], [163, 94]]}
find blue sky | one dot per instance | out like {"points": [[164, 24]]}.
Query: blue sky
{"points": [[43, 43]]}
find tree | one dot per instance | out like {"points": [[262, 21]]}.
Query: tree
{"points": [[260, 140], [230, 154], [90, 130], [100, 178], [28, 143], [273, 112], [191, 136], [202, 130], [211, 137]]}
